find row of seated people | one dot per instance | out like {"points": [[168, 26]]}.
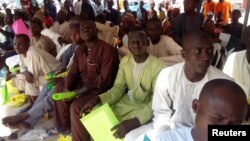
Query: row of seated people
{"points": [[145, 94]]}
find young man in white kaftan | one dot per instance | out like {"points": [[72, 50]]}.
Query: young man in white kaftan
{"points": [[44, 102], [221, 102], [137, 73], [238, 65], [35, 63], [61, 26], [40, 41], [162, 46], [178, 85]]}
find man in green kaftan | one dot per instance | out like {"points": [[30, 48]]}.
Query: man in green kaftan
{"points": [[131, 96]]}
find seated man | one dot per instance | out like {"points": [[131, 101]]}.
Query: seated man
{"points": [[35, 63], [44, 102], [221, 102], [94, 68], [61, 26], [40, 41], [137, 73], [162, 46], [238, 64], [107, 33], [219, 52], [235, 28], [178, 85]]}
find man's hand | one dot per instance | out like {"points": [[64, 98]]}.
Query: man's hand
{"points": [[124, 127], [9, 76], [90, 105], [81, 91], [29, 77], [78, 93]]}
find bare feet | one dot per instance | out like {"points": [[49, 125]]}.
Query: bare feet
{"points": [[13, 135], [12, 121], [21, 125]]}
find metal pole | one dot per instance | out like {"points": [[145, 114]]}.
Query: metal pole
{"points": [[245, 19]]}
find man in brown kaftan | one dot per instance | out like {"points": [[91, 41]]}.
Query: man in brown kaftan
{"points": [[94, 66]]}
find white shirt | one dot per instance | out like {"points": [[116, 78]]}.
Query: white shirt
{"points": [[238, 68], [167, 50], [78, 7], [173, 96], [181, 134], [61, 29], [53, 36]]}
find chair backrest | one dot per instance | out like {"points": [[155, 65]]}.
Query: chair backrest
{"points": [[60, 53]]}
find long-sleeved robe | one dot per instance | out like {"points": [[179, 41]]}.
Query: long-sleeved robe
{"points": [[137, 101], [107, 33], [173, 96], [44, 43], [53, 36], [96, 68], [167, 50], [39, 63], [181, 134], [62, 30], [238, 68]]}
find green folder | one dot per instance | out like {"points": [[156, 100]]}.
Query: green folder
{"points": [[63, 96], [5, 98], [99, 122], [14, 69]]}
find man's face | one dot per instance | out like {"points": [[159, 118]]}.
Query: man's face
{"points": [[75, 35], [60, 16], [175, 13], [215, 111], [198, 55], [8, 11], [88, 31], [141, 4], [209, 27], [35, 29], [166, 5], [125, 4], [189, 5], [235, 16], [20, 46], [7, 20], [154, 31], [138, 43]]}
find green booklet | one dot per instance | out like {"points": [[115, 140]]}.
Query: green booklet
{"points": [[99, 123], [63, 96]]}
